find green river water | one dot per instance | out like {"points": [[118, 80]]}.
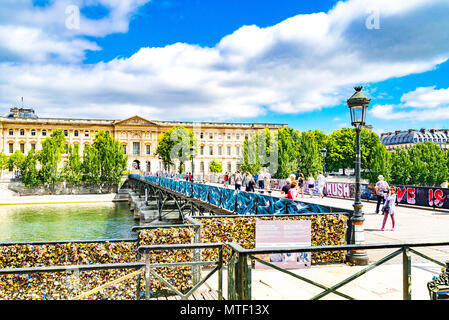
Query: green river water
{"points": [[26, 223]]}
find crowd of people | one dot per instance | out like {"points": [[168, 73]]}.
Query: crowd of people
{"points": [[247, 181], [294, 188]]}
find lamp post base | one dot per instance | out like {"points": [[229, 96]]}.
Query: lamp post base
{"points": [[358, 258]]}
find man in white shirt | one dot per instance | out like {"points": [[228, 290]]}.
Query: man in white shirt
{"points": [[381, 188], [321, 183]]}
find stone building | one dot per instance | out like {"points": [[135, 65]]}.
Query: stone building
{"points": [[406, 139], [23, 130]]}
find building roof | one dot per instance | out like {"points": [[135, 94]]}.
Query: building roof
{"points": [[415, 136]]}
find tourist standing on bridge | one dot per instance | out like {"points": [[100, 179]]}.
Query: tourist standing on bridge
{"points": [[381, 189], [301, 182], [389, 207], [260, 180], [266, 180], [311, 184], [293, 191], [321, 183], [249, 182], [285, 188], [238, 179]]}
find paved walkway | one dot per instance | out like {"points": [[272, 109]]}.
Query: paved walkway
{"points": [[413, 225]]}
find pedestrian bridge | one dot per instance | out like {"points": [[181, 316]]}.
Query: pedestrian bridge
{"points": [[197, 198]]}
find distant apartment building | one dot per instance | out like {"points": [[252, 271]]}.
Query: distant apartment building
{"points": [[406, 139], [23, 130]]}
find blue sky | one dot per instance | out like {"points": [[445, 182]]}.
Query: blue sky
{"points": [[282, 61]]}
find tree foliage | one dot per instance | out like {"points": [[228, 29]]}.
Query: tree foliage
{"points": [[215, 166], [175, 145], [50, 156]]}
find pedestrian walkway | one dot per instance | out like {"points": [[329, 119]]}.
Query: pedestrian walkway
{"points": [[413, 225]]}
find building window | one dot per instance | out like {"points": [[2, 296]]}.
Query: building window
{"points": [[33, 132], [11, 148], [124, 148], [237, 149], [220, 148], [66, 148], [229, 136], [44, 133], [75, 133], [202, 150], [148, 149], [229, 167], [33, 146], [219, 136], [86, 133], [229, 150], [66, 133], [202, 166], [22, 147], [136, 148], [22, 132], [211, 150], [237, 136], [201, 135], [211, 136], [11, 132], [246, 136]]}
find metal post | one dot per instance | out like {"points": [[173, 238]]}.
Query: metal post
{"points": [[243, 278], [357, 257], [147, 275], [406, 275], [196, 255]]}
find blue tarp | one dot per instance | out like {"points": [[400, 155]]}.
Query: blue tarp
{"points": [[240, 202]]}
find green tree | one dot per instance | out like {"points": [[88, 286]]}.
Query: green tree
{"points": [[288, 152], [91, 167], [16, 160], [3, 162], [379, 164], [175, 145], [30, 174], [261, 151], [73, 168], [400, 167], [341, 148], [310, 159], [111, 157], [215, 166], [429, 164], [50, 157]]}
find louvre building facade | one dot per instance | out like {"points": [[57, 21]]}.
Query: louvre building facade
{"points": [[23, 130]]}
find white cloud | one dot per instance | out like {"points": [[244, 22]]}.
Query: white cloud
{"points": [[422, 104], [305, 63], [426, 97]]}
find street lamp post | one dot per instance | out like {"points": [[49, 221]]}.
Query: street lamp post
{"points": [[323, 154], [192, 155], [358, 104]]}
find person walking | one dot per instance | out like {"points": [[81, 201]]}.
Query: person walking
{"points": [[389, 207], [238, 179], [311, 184], [249, 182], [292, 193], [301, 182], [260, 180], [381, 189], [321, 179], [225, 179], [285, 188], [267, 180]]}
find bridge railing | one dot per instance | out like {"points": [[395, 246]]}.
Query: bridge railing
{"points": [[239, 266], [235, 201]]}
